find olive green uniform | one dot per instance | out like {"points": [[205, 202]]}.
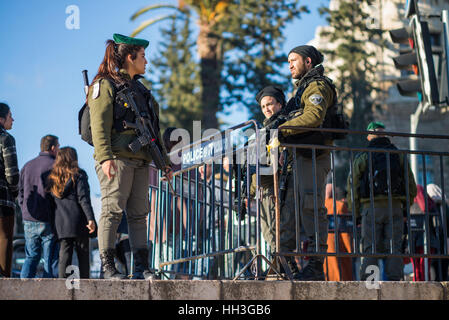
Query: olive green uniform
{"points": [[268, 213], [315, 99], [384, 223], [127, 191]]}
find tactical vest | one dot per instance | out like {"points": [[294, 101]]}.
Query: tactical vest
{"points": [[334, 118], [142, 96], [121, 113]]}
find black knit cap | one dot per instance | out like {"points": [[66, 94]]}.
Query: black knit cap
{"points": [[4, 109], [309, 51], [271, 91]]}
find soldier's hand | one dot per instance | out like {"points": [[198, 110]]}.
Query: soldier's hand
{"points": [[168, 174], [109, 168]]}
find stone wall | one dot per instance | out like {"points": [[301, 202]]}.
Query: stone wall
{"points": [[56, 289]]}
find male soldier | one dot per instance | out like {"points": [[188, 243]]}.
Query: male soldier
{"points": [[271, 100], [314, 95], [382, 224]]}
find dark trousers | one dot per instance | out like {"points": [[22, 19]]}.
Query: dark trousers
{"points": [[6, 238], [66, 252]]}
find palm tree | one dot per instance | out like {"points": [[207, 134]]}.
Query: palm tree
{"points": [[209, 46]]}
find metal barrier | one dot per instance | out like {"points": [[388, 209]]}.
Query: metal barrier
{"points": [[198, 233], [430, 227]]}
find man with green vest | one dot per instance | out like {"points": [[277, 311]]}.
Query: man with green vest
{"points": [[384, 221]]}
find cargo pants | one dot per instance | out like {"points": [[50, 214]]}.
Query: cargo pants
{"points": [[127, 191], [288, 221], [305, 178], [384, 224]]}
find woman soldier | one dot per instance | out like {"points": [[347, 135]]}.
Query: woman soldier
{"points": [[123, 174]]}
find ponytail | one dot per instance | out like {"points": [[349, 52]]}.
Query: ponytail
{"points": [[114, 60]]}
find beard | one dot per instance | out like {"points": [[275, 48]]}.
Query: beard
{"points": [[301, 73]]}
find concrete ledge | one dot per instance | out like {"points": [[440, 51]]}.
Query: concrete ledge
{"points": [[34, 289], [99, 289], [256, 290], [332, 290], [95, 289], [185, 290], [411, 291]]}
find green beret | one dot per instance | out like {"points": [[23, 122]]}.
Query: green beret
{"points": [[119, 38], [374, 125]]}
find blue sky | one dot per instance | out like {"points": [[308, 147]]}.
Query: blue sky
{"points": [[41, 62]]}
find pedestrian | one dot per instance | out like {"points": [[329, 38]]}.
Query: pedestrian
{"points": [[36, 211], [73, 214], [123, 174], [9, 185], [386, 230], [440, 265], [315, 94], [337, 268]]}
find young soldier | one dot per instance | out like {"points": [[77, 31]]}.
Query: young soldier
{"points": [[313, 97], [123, 174], [272, 100]]}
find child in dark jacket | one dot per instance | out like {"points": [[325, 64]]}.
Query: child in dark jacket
{"points": [[73, 214]]}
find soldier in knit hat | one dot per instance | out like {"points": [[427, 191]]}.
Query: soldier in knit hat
{"points": [[314, 95]]}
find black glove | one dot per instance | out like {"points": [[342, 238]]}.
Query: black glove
{"points": [[276, 122]]}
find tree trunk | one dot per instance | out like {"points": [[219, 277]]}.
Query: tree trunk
{"points": [[210, 72]]}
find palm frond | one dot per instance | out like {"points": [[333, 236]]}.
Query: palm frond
{"points": [[152, 7], [149, 22]]}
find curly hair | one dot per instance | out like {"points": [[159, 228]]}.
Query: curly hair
{"points": [[64, 168]]}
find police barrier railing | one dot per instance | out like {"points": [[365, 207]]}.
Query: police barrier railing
{"points": [[198, 232], [380, 233]]}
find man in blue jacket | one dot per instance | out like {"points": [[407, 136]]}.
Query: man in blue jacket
{"points": [[36, 212]]}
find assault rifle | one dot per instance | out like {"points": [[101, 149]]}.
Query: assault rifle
{"points": [[243, 190], [146, 136]]}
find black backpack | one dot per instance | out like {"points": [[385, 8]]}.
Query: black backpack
{"points": [[380, 177], [84, 128], [84, 124], [335, 118]]}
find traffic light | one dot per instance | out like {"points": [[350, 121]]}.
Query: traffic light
{"points": [[417, 58]]}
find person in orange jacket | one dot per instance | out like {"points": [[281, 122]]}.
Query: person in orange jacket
{"points": [[341, 269]]}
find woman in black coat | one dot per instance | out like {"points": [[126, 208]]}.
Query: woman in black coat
{"points": [[73, 215]]}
